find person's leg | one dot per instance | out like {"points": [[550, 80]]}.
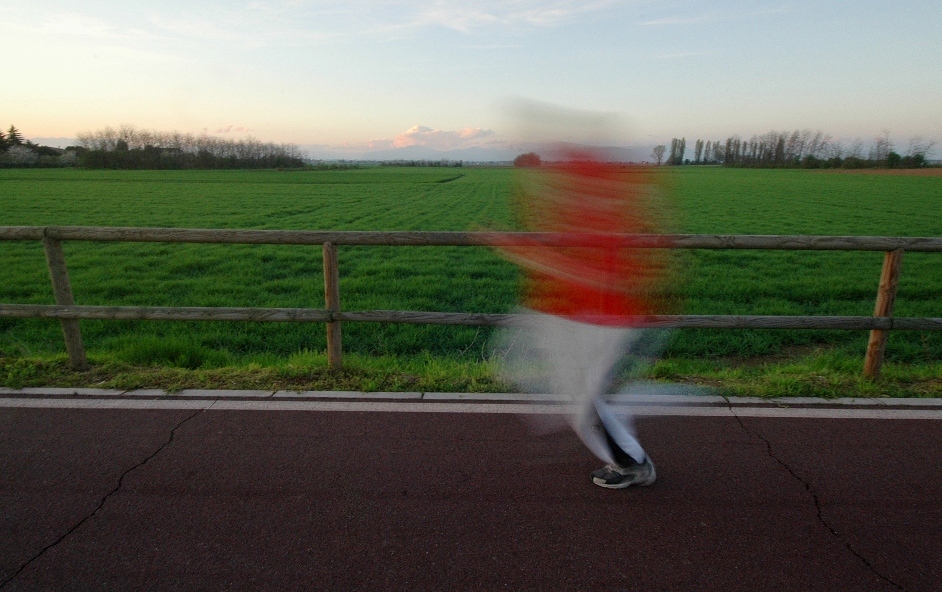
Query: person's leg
{"points": [[631, 465], [619, 433], [586, 361], [557, 355], [621, 458]]}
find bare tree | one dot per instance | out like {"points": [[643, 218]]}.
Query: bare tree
{"points": [[882, 146], [658, 153], [792, 150], [919, 146], [856, 149], [815, 144], [250, 151], [834, 150]]}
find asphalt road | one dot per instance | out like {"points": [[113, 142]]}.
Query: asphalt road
{"points": [[400, 499]]}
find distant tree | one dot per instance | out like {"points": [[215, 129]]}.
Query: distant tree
{"points": [[131, 148], [916, 161], [857, 148], [658, 153], [919, 146], [802, 149], [19, 156], [14, 138], [791, 147], [882, 146], [3, 141], [816, 144], [677, 151], [528, 160], [779, 155], [719, 152]]}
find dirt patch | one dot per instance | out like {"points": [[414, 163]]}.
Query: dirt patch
{"points": [[930, 172]]}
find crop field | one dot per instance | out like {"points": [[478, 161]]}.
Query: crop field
{"points": [[454, 279]]}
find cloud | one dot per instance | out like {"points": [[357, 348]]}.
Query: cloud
{"points": [[233, 129], [69, 24], [420, 135], [454, 17], [291, 23], [79, 24], [436, 139], [679, 54], [256, 26], [497, 13], [717, 15], [40, 35], [190, 25], [678, 21]]}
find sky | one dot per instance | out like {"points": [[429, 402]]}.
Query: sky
{"points": [[355, 75]]}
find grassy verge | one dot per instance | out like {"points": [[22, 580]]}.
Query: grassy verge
{"points": [[299, 373], [819, 373], [823, 373]]}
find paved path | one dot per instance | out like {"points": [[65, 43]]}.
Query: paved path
{"points": [[106, 490]]}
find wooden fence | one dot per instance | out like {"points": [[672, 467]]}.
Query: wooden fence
{"points": [[69, 314]]}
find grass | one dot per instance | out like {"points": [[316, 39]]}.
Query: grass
{"points": [[815, 374], [253, 275], [299, 372], [705, 200], [819, 373], [805, 282]]}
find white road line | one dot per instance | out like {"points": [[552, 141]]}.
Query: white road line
{"points": [[441, 407]]}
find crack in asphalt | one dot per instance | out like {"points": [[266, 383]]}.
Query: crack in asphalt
{"points": [[105, 499], [814, 496]]}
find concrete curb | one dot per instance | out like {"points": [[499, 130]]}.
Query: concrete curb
{"points": [[677, 405], [643, 400]]}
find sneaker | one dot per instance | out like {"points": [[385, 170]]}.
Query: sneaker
{"points": [[615, 477]]}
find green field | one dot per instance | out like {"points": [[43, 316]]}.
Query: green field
{"points": [[450, 279], [705, 200]]}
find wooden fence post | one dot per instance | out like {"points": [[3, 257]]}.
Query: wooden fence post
{"points": [[886, 297], [55, 258], [332, 300]]}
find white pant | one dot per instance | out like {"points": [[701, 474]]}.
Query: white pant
{"points": [[550, 354]]}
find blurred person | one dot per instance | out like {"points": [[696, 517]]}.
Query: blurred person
{"points": [[586, 300]]}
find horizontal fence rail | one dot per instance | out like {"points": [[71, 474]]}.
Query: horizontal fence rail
{"points": [[473, 239], [69, 314], [316, 315]]}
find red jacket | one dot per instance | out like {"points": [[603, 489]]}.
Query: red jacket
{"points": [[601, 285]]}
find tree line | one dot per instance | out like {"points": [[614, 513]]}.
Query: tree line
{"points": [[798, 149], [131, 148], [422, 163], [15, 152]]}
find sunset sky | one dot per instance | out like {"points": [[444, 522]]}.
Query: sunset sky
{"points": [[358, 75]]}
